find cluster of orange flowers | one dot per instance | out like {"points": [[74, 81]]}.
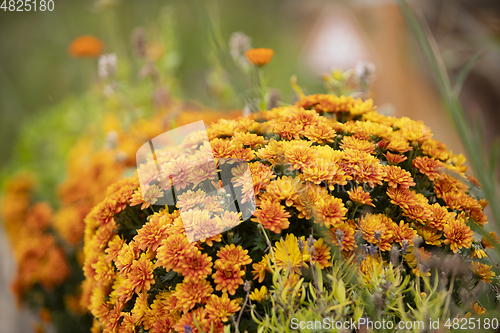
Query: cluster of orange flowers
{"points": [[27, 225], [46, 242], [367, 183]]}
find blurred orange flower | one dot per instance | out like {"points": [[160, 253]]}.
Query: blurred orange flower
{"points": [[86, 46], [260, 56]]}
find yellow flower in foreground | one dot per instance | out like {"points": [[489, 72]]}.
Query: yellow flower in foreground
{"points": [[478, 309], [287, 254], [260, 56], [258, 295], [482, 271]]}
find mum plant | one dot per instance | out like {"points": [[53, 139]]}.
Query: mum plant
{"points": [[219, 226]]}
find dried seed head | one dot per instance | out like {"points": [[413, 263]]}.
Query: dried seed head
{"points": [[340, 237], [106, 66], [139, 42], [394, 255], [417, 240], [358, 236], [239, 43], [372, 249], [365, 72], [378, 235], [310, 243], [404, 247], [301, 245], [274, 99], [247, 286]]}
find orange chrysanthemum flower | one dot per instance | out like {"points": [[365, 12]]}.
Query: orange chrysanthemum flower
{"points": [[328, 103], [435, 149], [321, 254], [86, 46], [173, 250], [430, 236], [401, 197], [394, 158], [360, 196], [440, 216], [343, 232], [285, 188], [259, 269], [114, 246], [260, 56], [141, 274], [248, 139], [153, 232], [458, 234], [397, 177], [228, 277], [126, 257], [330, 211], [195, 267], [229, 268], [420, 210], [221, 307], [288, 130], [350, 142], [322, 132], [428, 166], [482, 271], [192, 292], [398, 144], [377, 229], [403, 231], [298, 153], [233, 254]]}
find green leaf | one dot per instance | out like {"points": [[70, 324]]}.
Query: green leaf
{"points": [[464, 71], [495, 154], [319, 276], [236, 238]]}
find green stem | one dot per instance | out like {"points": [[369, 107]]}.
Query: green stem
{"points": [[260, 87], [354, 211]]}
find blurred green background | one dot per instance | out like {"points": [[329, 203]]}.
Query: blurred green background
{"points": [[49, 93], [36, 72]]}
